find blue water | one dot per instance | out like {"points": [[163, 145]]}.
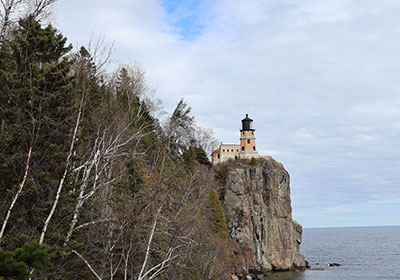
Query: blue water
{"points": [[365, 253]]}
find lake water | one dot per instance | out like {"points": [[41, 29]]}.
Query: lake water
{"points": [[365, 253]]}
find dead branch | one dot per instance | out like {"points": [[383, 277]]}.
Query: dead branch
{"points": [[87, 264]]}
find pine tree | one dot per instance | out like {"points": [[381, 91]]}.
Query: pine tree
{"points": [[37, 102]]}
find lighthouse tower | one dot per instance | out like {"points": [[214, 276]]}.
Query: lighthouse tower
{"points": [[247, 139]]}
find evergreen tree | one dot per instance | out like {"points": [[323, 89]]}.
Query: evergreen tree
{"points": [[193, 153], [201, 157], [119, 168], [217, 216], [17, 264], [37, 102], [253, 161]]}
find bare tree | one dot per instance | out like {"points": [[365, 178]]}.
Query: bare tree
{"points": [[204, 137], [107, 148], [12, 10], [8, 8], [39, 9]]}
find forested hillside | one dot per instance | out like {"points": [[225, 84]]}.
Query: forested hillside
{"points": [[92, 184]]}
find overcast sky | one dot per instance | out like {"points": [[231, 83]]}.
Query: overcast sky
{"points": [[320, 78]]}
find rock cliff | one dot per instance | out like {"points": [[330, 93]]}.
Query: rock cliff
{"points": [[257, 205]]}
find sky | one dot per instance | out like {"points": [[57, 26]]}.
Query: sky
{"points": [[320, 79]]}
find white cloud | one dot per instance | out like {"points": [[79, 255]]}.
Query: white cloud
{"points": [[362, 138], [316, 12], [319, 78], [303, 133], [387, 109]]}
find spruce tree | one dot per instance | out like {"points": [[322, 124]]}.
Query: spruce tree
{"points": [[37, 102]]}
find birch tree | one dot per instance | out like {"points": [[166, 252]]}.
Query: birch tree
{"points": [[87, 71], [68, 159], [31, 107], [20, 185], [96, 170]]}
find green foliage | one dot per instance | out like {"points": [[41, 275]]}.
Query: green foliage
{"points": [[140, 166], [17, 264], [192, 154], [217, 215], [253, 162], [135, 181], [37, 106], [189, 156], [201, 157]]}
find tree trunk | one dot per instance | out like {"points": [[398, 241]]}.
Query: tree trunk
{"points": [[68, 160], [21, 186]]}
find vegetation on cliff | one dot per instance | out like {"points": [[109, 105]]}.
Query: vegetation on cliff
{"points": [[92, 184]]}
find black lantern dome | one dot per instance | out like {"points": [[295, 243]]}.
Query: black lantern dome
{"points": [[247, 123]]}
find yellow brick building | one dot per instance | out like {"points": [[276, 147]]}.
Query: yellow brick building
{"points": [[246, 149]]}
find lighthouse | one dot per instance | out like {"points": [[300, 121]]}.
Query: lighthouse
{"points": [[247, 139], [246, 149]]}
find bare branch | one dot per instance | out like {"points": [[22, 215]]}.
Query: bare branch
{"points": [[7, 9], [87, 263], [140, 277], [105, 150], [39, 9], [92, 223]]}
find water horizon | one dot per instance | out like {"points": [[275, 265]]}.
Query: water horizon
{"points": [[371, 226], [363, 253]]}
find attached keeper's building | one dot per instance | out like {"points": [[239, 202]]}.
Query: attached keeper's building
{"points": [[246, 149]]}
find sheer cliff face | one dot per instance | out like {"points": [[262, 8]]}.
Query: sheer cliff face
{"points": [[257, 205]]}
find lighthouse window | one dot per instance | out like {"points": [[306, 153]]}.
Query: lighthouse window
{"points": [[248, 141], [223, 150], [242, 148], [218, 155], [252, 133], [254, 148], [232, 150]]}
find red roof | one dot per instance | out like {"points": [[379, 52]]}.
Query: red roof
{"points": [[217, 150]]}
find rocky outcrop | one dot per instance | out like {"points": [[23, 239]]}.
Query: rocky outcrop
{"points": [[257, 205]]}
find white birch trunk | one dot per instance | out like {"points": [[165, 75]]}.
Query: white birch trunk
{"points": [[86, 174], [140, 277], [104, 152], [67, 163], [20, 188], [87, 264], [169, 256]]}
